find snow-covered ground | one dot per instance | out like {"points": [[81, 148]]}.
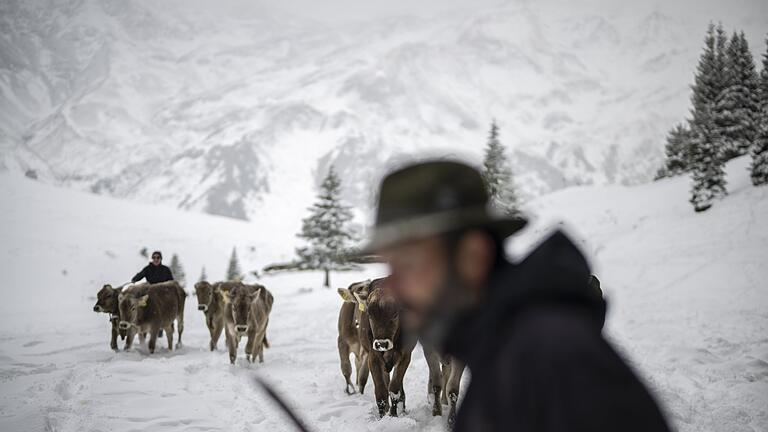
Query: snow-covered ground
{"points": [[687, 292]]}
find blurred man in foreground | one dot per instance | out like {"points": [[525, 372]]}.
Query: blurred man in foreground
{"points": [[529, 332]]}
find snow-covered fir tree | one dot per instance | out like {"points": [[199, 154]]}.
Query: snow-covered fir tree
{"points": [[327, 231], [233, 268], [177, 270], [498, 174], [706, 164], [759, 165], [709, 81], [203, 276], [677, 151], [737, 106], [706, 152]]}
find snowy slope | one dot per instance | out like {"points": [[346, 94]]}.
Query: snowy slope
{"points": [[186, 105], [687, 293]]}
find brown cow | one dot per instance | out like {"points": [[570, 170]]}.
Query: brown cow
{"points": [[387, 346], [349, 338], [443, 383], [212, 307], [152, 307], [107, 302], [246, 312]]}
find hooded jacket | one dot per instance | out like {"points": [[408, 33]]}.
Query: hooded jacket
{"points": [[154, 274], [537, 356]]}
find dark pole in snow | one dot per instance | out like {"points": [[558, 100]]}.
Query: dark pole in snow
{"points": [[281, 403]]}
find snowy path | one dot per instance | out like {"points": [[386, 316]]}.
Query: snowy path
{"points": [[688, 305], [61, 382]]}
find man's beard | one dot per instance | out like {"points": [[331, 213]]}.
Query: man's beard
{"points": [[451, 303]]}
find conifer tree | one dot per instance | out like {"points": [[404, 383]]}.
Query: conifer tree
{"points": [[177, 270], [737, 106], [233, 269], [759, 166], [498, 175], [706, 164], [203, 276], [677, 150], [326, 231], [706, 161]]}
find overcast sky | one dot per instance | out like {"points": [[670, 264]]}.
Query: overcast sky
{"points": [[332, 11]]}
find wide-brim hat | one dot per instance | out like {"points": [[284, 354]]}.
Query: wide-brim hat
{"points": [[435, 197]]}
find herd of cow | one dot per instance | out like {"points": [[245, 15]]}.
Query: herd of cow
{"points": [[236, 308], [369, 327]]}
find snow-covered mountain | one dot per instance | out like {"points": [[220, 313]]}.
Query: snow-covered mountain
{"points": [[229, 109]]}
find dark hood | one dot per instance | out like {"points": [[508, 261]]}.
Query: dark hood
{"points": [[556, 272]]}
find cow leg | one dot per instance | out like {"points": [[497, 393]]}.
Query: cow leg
{"points": [[231, 345], [260, 345], [264, 344], [396, 391], [250, 345], [142, 337], [113, 340], [457, 370], [152, 340], [180, 323], [169, 336], [362, 372], [435, 385], [446, 375], [346, 366], [215, 334], [380, 385], [129, 339]]}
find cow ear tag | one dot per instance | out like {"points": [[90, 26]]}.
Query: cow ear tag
{"points": [[361, 307], [143, 301]]}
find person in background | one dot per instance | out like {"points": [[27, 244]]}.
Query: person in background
{"points": [[155, 271], [530, 332]]}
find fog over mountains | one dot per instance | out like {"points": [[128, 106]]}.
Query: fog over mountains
{"points": [[237, 109]]}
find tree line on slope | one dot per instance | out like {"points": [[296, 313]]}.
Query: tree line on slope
{"points": [[728, 119]]}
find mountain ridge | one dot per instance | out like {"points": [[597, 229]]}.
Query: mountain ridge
{"points": [[186, 108]]}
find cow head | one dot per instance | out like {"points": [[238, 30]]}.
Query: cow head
{"points": [[204, 294], [132, 309], [107, 300], [240, 299], [382, 309]]}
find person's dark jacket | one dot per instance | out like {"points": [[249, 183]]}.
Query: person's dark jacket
{"points": [[154, 274], [537, 356]]}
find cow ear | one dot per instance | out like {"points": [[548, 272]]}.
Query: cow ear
{"points": [[107, 286], [144, 300], [346, 295]]}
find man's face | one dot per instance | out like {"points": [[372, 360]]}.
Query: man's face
{"points": [[418, 271], [156, 259]]}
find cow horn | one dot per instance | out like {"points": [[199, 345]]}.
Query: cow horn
{"points": [[360, 301]]}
